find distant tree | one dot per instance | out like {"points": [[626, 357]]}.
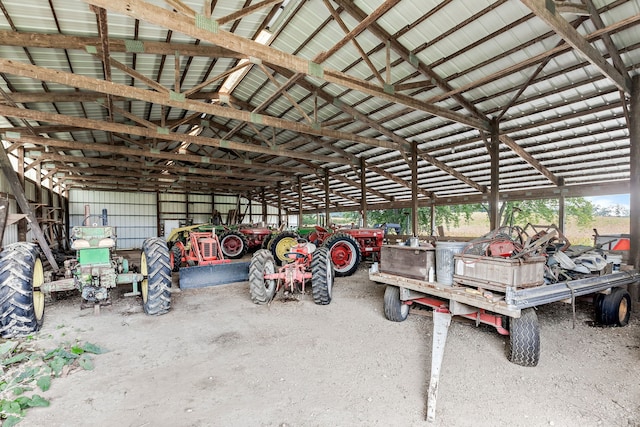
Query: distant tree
{"points": [[546, 210]]}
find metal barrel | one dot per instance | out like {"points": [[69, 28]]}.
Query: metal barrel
{"points": [[444, 260]]}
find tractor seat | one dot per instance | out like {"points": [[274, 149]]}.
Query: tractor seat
{"points": [[107, 242], [80, 244]]}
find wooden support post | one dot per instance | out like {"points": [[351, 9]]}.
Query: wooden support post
{"points": [[264, 207], [433, 219], [494, 197], [561, 213], [159, 215], [363, 191], [327, 213], [414, 189], [634, 185], [22, 224], [186, 205], [279, 204], [299, 203]]}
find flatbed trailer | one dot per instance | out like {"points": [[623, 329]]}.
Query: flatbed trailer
{"points": [[497, 309], [511, 313]]}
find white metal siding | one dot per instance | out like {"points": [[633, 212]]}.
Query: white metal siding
{"points": [[132, 214], [10, 231]]}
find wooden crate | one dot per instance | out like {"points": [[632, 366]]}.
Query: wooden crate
{"points": [[407, 261], [498, 273]]}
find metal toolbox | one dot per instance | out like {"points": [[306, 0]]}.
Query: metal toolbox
{"points": [[407, 261], [498, 273]]}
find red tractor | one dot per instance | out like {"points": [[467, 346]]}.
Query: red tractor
{"points": [[237, 242], [347, 246], [202, 248], [306, 263]]}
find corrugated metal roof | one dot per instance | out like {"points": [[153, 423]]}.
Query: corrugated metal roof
{"points": [[473, 61]]}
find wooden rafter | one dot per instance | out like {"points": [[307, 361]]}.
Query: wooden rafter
{"points": [[546, 12], [159, 16]]}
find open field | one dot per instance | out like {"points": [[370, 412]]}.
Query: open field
{"points": [[577, 235]]}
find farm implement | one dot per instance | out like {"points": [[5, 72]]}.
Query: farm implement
{"points": [[347, 247], [198, 254], [307, 264]]}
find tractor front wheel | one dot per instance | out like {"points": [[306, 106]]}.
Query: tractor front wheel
{"points": [[21, 298], [321, 276], [155, 266], [262, 290], [234, 244], [345, 253], [281, 245]]}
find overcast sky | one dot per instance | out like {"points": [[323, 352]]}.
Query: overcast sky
{"points": [[617, 199]]}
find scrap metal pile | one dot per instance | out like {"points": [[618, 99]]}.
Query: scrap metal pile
{"points": [[564, 261]]}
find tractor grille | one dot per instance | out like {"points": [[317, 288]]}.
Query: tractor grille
{"points": [[208, 248]]}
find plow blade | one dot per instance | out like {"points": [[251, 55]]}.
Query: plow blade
{"points": [[211, 275]]}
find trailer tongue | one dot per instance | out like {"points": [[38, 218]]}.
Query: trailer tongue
{"points": [[500, 291]]}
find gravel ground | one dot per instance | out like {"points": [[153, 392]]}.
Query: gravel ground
{"points": [[219, 360]]}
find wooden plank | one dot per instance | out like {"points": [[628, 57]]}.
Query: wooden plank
{"points": [[21, 198]]}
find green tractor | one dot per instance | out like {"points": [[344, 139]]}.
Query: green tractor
{"points": [[94, 271]]}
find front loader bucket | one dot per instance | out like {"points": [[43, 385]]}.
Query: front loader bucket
{"points": [[214, 274]]}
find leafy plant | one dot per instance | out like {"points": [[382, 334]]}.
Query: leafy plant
{"points": [[25, 370]]}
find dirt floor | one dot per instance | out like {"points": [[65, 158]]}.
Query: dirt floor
{"points": [[219, 360]]}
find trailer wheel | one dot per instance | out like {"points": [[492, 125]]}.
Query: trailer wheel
{"points": [[394, 309], [321, 276], [22, 301], [234, 244], [155, 266], [281, 244], [613, 309], [345, 253], [524, 343], [262, 290]]}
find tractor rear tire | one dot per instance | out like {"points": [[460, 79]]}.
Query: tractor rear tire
{"points": [[267, 241], [281, 244], [21, 298], [614, 308], [234, 244], [155, 266], [176, 254], [345, 253], [524, 342], [321, 276], [262, 290], [394, 309]]}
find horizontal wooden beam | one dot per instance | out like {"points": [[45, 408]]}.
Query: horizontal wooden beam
{"points": [[148, 153], [208, 30], [164, 134], [60, 41], [140, 164]]}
